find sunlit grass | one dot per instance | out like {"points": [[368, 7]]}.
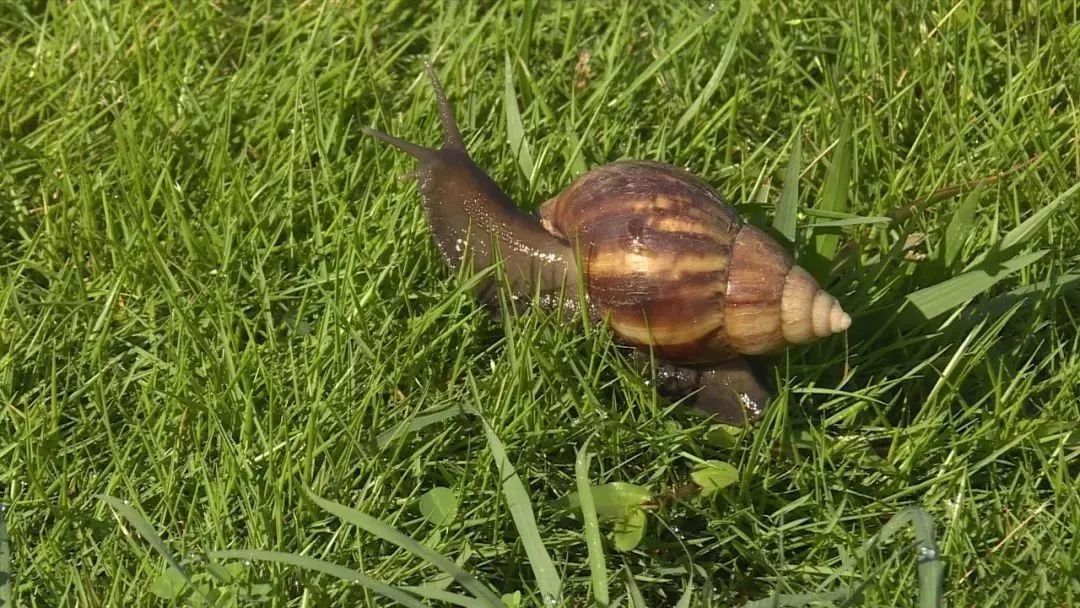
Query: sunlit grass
{"points": [[220, 305]]}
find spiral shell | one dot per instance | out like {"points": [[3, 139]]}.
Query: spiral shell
{"points": [[674, 267]]}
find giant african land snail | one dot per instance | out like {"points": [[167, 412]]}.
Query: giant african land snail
{"points": [[662, 259]]}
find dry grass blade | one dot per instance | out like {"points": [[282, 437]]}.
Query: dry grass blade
{"points": [[902, 213]]}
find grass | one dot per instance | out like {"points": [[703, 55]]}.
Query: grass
{"points": [[221, 308]]}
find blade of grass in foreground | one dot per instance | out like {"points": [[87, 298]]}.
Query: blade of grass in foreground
{"points": [[388, 533], [787, 209], [325, 567], [834, 197], [851, 221], [929, 567], [515, 128], [943, 297], [597, 567], [433, 593], [1031, 226], [6, 596], [682, 40], [411, 426], [688, 593], [958, 229], [837, 218], [718, 73], [146, 530], [794, 600], [637, 600], [547, 578], [999, 305]]}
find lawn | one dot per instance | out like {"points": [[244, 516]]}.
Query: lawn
{"points": [[234, 368]]}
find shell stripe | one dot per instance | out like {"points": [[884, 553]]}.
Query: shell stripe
{"points": [[754, 293], [656, 246]]}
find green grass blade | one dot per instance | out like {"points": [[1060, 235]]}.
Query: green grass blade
{"points": [[515, 127], [721, 67], [1031, 226], [841, 215], [835, 194], [386, 532], [688, 593], [956, 233], [637, 600], [147, 531], [930, 568], [517, 499], [1060, 284], [6, 595], [929, 565], [432, 593], [411, 426], [1001, 304], [576, 161], [796, 600], [851, 221], [938, 299], [787, 210], [682, 40], [317, 565], [597, 566]]}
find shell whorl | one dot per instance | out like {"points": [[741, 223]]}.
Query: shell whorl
{"points": [[808, 312], [654, 244], [673, 267], [773, 303]]}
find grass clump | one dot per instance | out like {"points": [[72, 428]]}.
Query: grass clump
{"points": [[232, 365]]}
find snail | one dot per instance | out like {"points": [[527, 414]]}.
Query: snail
{"points": [[649, 249]]}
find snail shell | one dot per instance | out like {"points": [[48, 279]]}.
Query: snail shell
{"points": [[675, 268]]}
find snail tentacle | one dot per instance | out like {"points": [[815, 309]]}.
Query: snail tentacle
{"points": [[414, 150], [474, 222], [451, 132]]}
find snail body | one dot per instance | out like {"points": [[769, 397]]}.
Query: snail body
{"points": [[663, 260]]}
